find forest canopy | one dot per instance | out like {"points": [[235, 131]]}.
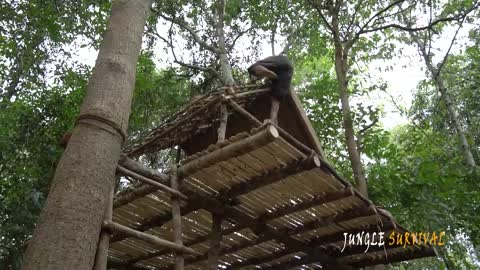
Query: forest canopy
{"points": [[391, 87]]}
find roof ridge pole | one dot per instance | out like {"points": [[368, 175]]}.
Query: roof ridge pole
{"points": [[176, 218]]}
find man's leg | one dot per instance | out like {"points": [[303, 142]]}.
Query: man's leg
{"points": [[274, 110]]}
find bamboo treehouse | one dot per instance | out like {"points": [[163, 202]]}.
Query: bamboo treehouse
{"points": [[249, 194]]}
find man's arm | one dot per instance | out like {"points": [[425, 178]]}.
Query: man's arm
{"points": [[258, 70]]}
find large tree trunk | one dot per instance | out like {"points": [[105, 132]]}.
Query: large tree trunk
{"points": [[69, 225], [341, 68]]}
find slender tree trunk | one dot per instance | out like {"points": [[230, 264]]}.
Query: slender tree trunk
{"points": [[341, 68], [448, 100], [223, 55], [466, 150], [69, 225]]}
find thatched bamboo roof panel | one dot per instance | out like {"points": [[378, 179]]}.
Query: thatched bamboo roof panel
{"points": [[281, 203]]}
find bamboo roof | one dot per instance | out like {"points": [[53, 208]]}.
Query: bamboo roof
{"points": [[284, 206]]}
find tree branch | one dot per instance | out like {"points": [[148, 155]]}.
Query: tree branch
{"points": [[322, 16], [440, 66], [367, 127], [230, 47], [380, 12], [192, 31], [414, 29], [429, 32], [175, 59], [289, 41], [352, 21]]}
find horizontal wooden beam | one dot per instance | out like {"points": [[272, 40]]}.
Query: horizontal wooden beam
{"points": [[151, 182], [158, 221], [120, 229], [264, 137], [132, 195], [141, 169], [126, 197]]}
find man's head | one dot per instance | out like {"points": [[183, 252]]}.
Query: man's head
{"points": [[257, 72]]}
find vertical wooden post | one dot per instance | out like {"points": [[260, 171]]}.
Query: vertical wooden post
{"points": [[101, 257], [223, 122], [215, 241], [176, 219]]}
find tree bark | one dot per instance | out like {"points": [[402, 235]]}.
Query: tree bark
{"points": [[227, 76], [69, 225], [341, 68]]}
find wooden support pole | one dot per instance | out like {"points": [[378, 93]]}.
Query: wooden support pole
{"points": [[244, 113], [101, 257], [158, 185], [262, 89], [267, 135], [293, 141], [141, 169], [215, 242], [289, 138], [222, 129], [132, 195], [120, 229], [176, 220]]}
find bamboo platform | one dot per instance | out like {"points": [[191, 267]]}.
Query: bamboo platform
{"points": [[282, 206]]}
